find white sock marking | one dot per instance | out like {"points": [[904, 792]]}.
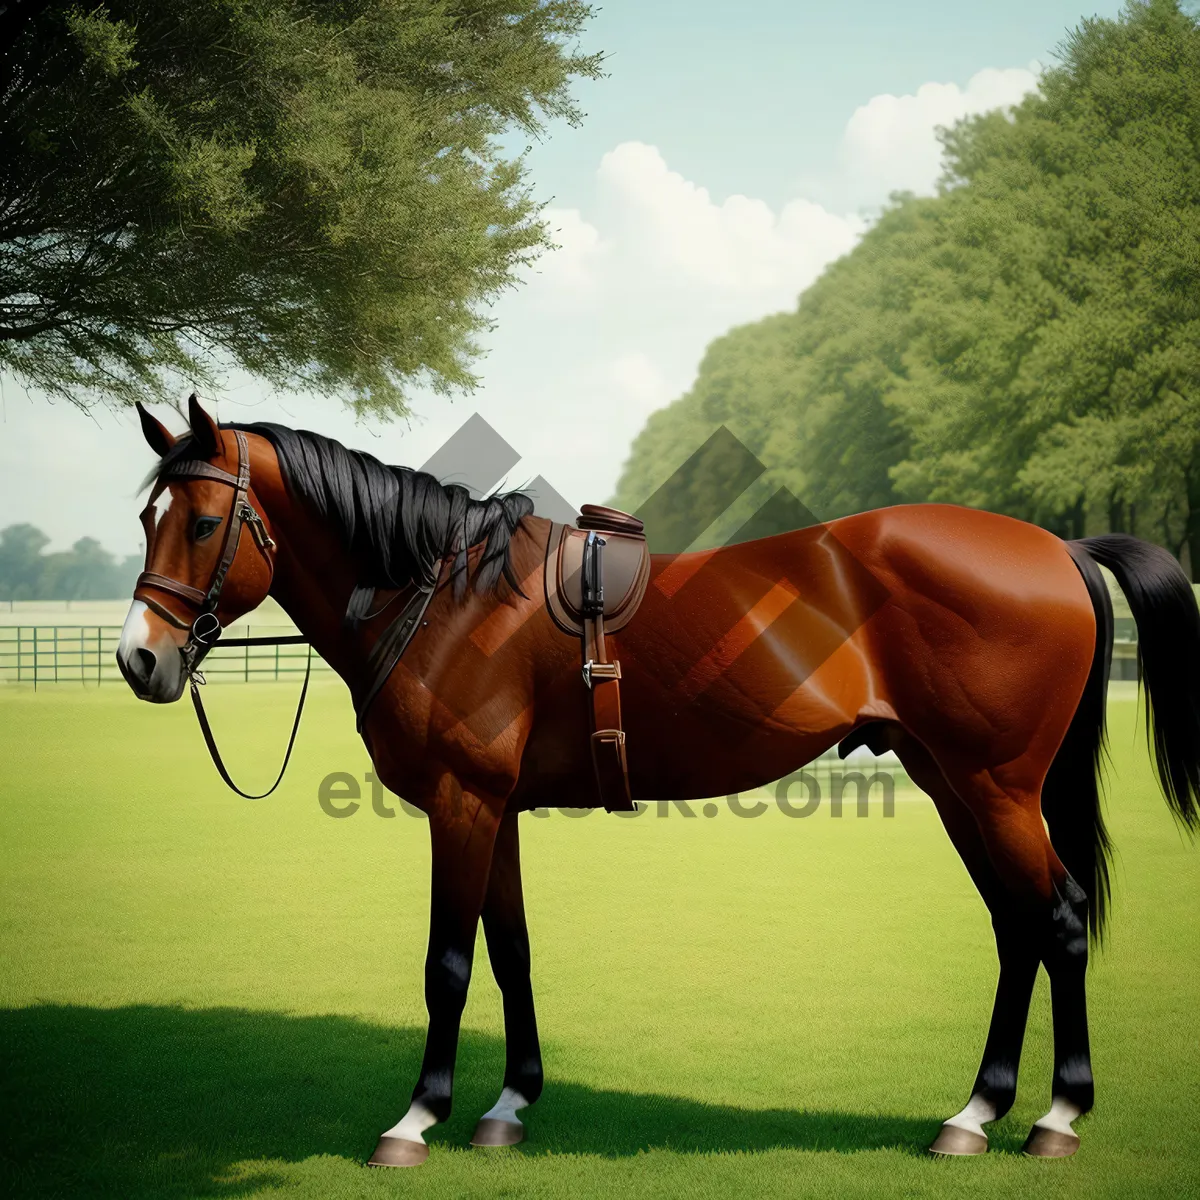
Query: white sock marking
{"points": [[1062, 1113], [975, 1116], [413, 1124], [505, 1109]]}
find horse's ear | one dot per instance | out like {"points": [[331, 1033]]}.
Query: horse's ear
{"points": [[159, 437], [204, 429]]}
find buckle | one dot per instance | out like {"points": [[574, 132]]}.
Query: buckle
{"points": [[600, 670], [258, 528]]}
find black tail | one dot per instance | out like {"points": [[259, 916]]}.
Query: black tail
{"points": [[1168, 624], [1071, 798]]}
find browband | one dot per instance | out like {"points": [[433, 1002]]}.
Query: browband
{"points": [[196, 469]]}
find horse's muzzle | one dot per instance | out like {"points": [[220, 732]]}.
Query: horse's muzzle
{"points": [[149, 659]]}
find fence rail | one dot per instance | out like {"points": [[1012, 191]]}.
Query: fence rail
{"points": [[86, 654]]}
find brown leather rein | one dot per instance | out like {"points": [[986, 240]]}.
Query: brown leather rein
{"points": [[205, 628]]}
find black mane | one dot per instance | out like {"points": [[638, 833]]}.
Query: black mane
{"points": [[399, 524]]}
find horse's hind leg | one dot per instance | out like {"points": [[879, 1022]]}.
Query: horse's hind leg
{"points": [[995, 1086], [508, 950], [1052, 905]]}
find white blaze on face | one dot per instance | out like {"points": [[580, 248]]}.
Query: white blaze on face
{"points": [[149, 660], [161, 505], [135, 632]]}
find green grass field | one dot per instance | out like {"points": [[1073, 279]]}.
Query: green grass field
{"points": [[201, 996]]}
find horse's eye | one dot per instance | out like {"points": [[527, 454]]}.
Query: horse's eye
{"points": [[205, 527]]}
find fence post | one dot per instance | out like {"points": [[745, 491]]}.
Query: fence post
{"points": [[246, 671], [99, 656]]}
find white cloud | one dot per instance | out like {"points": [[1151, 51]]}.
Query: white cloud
{"points": [[740, 246], [890, 143], [577, 245]]}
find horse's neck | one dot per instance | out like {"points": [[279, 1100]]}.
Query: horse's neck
{"points": [[314, 573], [314, 577]]}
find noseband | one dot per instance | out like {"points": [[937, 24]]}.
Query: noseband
{"points": [[205, 628]]}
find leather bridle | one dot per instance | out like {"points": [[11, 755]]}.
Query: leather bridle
{"points": [[205, 627]]}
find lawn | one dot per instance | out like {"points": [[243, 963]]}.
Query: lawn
{"points": [[201, 996]]}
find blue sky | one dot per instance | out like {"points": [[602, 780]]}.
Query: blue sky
{"points": [[755, 100], [730, 154]]}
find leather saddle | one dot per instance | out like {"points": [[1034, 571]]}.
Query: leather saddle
{"points": [[596, 575]]}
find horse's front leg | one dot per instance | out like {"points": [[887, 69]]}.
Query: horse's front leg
{"points": [[462, 830], [508, 949]]}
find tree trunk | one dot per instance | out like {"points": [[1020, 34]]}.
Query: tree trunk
{"points": [[1116, 514], [1078, 518], [1193, 517]]}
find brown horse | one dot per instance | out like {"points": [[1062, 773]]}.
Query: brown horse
{"points": [[973, 645]]}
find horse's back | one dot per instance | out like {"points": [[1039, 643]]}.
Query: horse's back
{"points": [[936, 616]]}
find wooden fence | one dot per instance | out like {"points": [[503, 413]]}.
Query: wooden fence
{"points": [[87, 654]]}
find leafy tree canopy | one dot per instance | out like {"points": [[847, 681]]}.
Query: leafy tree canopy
{"points": [[313, 191], [1026, 341]]}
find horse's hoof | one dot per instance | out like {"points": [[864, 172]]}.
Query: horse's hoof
{"points": [[398, 1152], [1050, 1143], [491, 1132], [953, 1140]]}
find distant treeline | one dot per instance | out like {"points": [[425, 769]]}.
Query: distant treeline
{"points": [[85, 572], [1026, 341]]}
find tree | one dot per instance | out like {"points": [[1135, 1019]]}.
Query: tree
{"points": [[85, 572], [1026, 341], [1061, 377], [807, 391], [315, 192], [21, 561]]}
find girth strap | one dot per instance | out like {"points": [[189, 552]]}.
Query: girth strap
{"points": [[602, 677]]}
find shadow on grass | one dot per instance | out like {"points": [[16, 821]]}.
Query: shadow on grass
{"points": [[155, 1101]]}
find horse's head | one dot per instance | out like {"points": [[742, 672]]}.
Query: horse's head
{"points": [[201, 572]]}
